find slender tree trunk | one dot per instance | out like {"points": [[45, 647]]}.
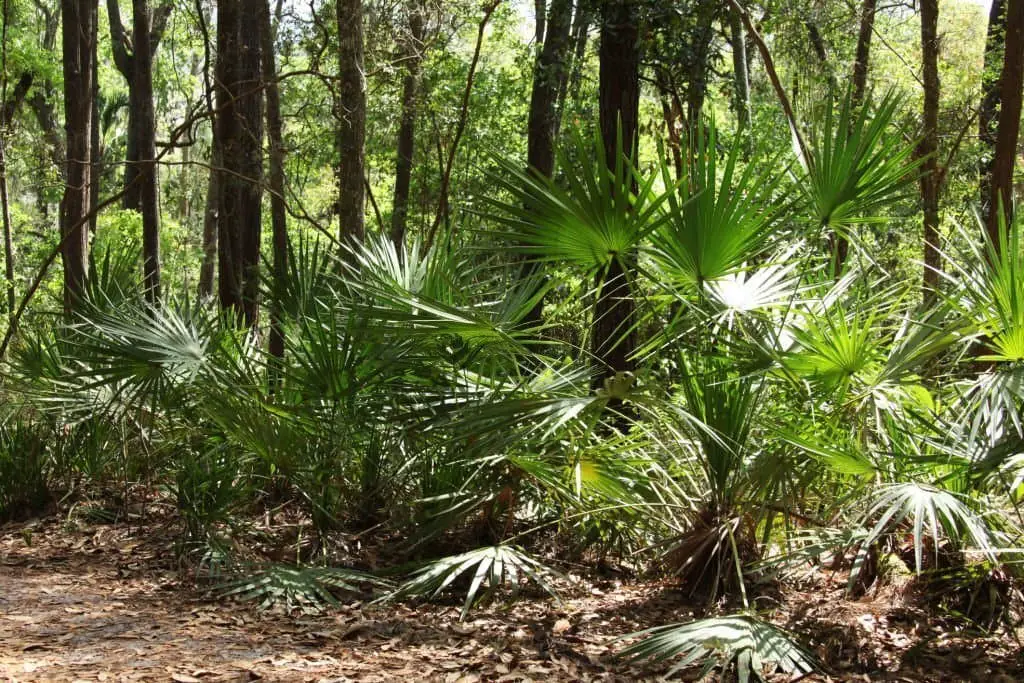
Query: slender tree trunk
{"points": [[240, 129], [580, 30], [278, 215], [670, 115], [351, 112], [740, 70], [154, 23], [94, 137], [5, 117], [549, 76], [208, 267], [929, 146], [861, 60], [697, 81], [613, 336], [141, 98], [78, 39], [989, 110], [407, 128], [1010, 84], [539, 27]]}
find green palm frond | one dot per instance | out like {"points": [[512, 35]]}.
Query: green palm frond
{"points": [[856, 165], [741, 641], [719, 218], [589, 216], [489, 569], [310, 589], [930, 513]]}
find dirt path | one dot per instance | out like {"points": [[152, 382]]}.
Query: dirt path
{"points": [[99, 604]]}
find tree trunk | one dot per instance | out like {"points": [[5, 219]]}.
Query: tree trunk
{"points": [[670, 115], [351, 112], [861, 60], [613, 337], [126, 63], [240, 129], [407, 128], [580, 29], [697, 78], [78, 39], [549, 76], [208, 267], [930, 179], [141, 100], [740, 70], [1010, 84], [278, 216], [989, 109]]}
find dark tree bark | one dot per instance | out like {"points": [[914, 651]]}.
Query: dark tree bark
{"points": [[930, 179], [141, 100], [539, 25], [580, 31], [549, 75], [862, 57], [126, 55], [740, 69], [671, 115], [550, 72], [10, 106], [989, 110], [208, 266], [699, 63], [78, 40], [407, 129], [613, 336], [1010, 84], [351, 112], [278, 215], [240, 132]]}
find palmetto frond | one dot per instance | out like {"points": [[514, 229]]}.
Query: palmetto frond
{"points": [[719, 218], [310, 589], [742, 641], [489, 568], [588, 216], [856, 164]]}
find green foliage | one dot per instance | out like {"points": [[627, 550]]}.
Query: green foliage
{"points": [[744, 642], [489, 568], [310, 589]]}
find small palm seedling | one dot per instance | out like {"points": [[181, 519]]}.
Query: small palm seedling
{"points": [[309, 589], [490, 568], [741, 641]]}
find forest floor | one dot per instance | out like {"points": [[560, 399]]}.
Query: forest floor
{"points": [[104, 602]]}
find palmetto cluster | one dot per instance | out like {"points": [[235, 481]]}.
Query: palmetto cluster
{"points": [[770, 392]]}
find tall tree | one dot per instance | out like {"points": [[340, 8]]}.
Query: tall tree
{"points": [[239, 127], [613, 337], [351, 112], [989, 109], [144, 120], [550, 74], [413, 57], [699, 61], [1011, 82], [931, 179], [740, 69], [278, 215], [863, 54], [128, 53], [78, 42]]}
